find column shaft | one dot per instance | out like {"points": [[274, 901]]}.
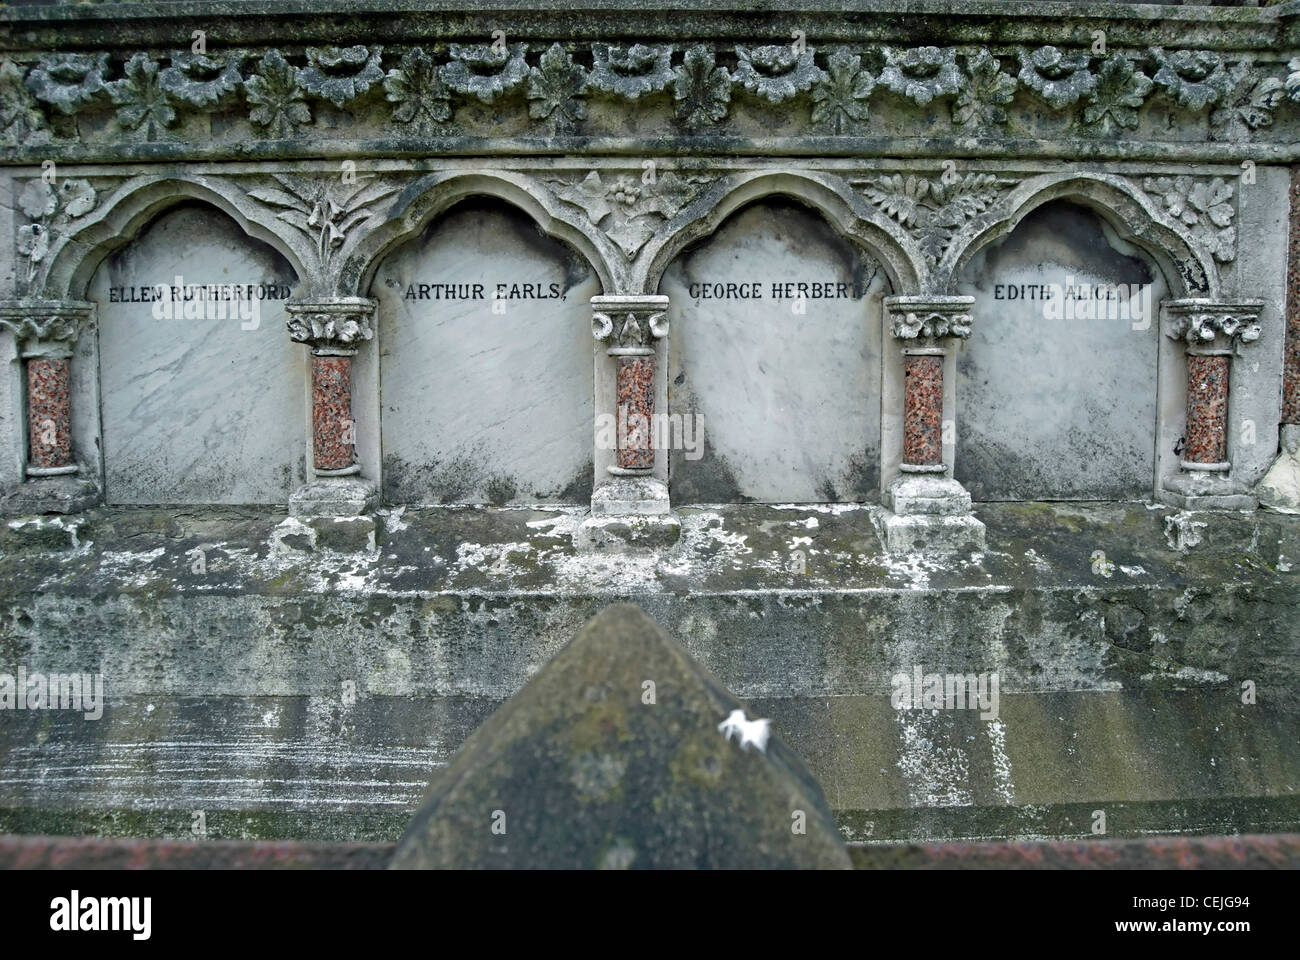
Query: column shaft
{"points": [[1207, 409], [49, 412], [636, 407], [923, 410], [333, 428]]}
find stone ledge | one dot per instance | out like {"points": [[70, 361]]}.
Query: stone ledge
{"points": [[1239, 852]]}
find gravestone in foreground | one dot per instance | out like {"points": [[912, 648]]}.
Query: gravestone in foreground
{"points": [[591, 766]]}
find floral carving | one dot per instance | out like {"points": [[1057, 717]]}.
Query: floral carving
{"points": [[840, 99], [776, 73], [51, 208], [484, 71], [1059, 79], [68, 82], [44, 321], [933, 211], [555, 85], [1234, 325], [141, 101], [982, 98], [701, 89], [1292, 81], [202, 81], [1192, 79], [277, 97], [1121, 89], [627, 209], [20, 118], [921, 74], [936, 323], [331, 323], [1248, 102], [632, 72], [325, 211], [415, 86], [1203, 209], [341, 74]]}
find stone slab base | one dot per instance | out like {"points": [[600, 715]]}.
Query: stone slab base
{"points": [[295, 694], [1195, 490], [656, 531], [59, 494], [334, 497], [629, 496], [930, 534], [347, 534]]}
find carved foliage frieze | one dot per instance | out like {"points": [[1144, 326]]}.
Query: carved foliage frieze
{"points": [[419, 89]]}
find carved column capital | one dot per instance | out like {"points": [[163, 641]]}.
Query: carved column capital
{"points": [[332, 326], [1213, 327], [925, 317], [45, 328], [629, 324]]}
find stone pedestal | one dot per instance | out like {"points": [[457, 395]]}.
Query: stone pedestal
{"points": [[333, 327], [630, 506], [46, 332], [1213, 332], [927, 511]]}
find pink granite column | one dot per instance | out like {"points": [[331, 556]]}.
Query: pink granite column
{"points": [[631, 326], [636, 407], [49, 413], [928, 510], [46, 332], [331, 412], [1206, 440], [925, 325], [333, 327], [1211, 332], [923, 409]]}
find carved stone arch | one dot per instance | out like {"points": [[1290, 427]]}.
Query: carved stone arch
{"points": [[1189, 270], [846, 212], [137, 203], [427, 198]]}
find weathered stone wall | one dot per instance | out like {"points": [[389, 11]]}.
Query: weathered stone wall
{"points": [[464, 237]]}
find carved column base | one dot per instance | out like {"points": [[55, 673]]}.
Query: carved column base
{"points": [[637, 495], [57, 493], [928, 513], [1206, 489], [339, 496], [1280, 488], [629, 512]]}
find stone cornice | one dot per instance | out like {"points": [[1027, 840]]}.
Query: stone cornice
{"points": [[316, 21]]}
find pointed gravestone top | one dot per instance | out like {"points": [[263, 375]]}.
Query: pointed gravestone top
{"points": [[613, 756]]}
